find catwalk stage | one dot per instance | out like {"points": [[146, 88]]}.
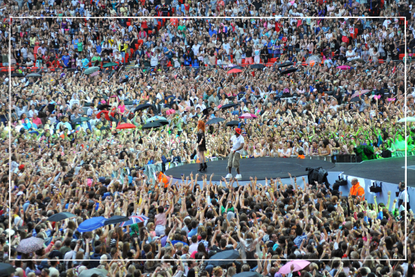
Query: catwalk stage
{"points": [[390, 170]]}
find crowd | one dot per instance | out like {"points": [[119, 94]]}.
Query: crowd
{"points": [[181, 8], [345, 89]]}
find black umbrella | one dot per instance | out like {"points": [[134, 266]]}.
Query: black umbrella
{"points": [[116, 219], [233, 123], [247, 274], [142, 107], [289, 70], [355, 99], [206, 111], [215, 120], [258, 66], [285, 64], [224, 258], [162, 122], [6, 269], [51, 107], [17, 75], [237, 67], [152, 125], [60, 216], [103, 107], [227, 106]]}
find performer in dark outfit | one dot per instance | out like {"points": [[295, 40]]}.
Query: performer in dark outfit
{"points": [[201, 144]]}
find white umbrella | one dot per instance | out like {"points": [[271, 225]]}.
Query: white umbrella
{"points": [[407, 119]]}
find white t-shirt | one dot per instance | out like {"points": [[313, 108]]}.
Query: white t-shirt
{"points": [[237, 142]]}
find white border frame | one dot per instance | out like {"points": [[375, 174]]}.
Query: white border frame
{"points": [[204, 17]]}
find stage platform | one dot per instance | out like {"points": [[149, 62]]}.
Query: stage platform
{"points": [[389, 170]]}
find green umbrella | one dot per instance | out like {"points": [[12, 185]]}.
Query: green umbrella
{"points": [[80, 119], [109, 64], [152, 125], [91, 70]]}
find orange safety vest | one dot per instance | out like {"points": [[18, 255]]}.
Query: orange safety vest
{"points": [[162, 178], [358, 191]]}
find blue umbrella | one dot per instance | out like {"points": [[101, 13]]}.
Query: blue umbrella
{"points": [[34, 132], [177, 241], [91, 224]]}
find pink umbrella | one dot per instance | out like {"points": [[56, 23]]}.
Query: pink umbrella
{"points": [[94, 74], [248, 115], [360, 92], [298, 265], [344, 67]]}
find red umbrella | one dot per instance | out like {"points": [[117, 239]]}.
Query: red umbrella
{"points": [[126, 126], [107, 117], [235, 70]]}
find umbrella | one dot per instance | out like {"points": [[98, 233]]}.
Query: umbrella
{"points": [[60, 216], [248, 115], [314, 58], [125, 126], [344, 67], [151, 125], [156, 118], [258, 66], [94, 74], [6, 269], [285, 64], [116, 219], [224, 258], [30, 245], [298, 265], [103, 106], [234, 70], [356, 99], [109, 65], [34, 132], [91, 224], [233, 123], [105, 113], [134, 219], [34, 75], [227, 106], [215, 120], [359, 93], [17, 75], [142, 107], [89, 272], [91, 70], [289, 70], [237, 67], [407, 119], [247, 274], [162, 122], [80, 119]]}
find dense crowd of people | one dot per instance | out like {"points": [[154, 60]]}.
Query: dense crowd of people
{"points": [[344, 90]]}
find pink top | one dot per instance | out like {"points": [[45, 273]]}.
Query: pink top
{"points": [[121, 108], [160, 219], [37, 121]]}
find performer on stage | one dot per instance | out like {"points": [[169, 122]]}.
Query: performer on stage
{"points": [[201, 144], [235, 153]]}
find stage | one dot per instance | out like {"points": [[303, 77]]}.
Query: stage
{"points": [[389, 170]]}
